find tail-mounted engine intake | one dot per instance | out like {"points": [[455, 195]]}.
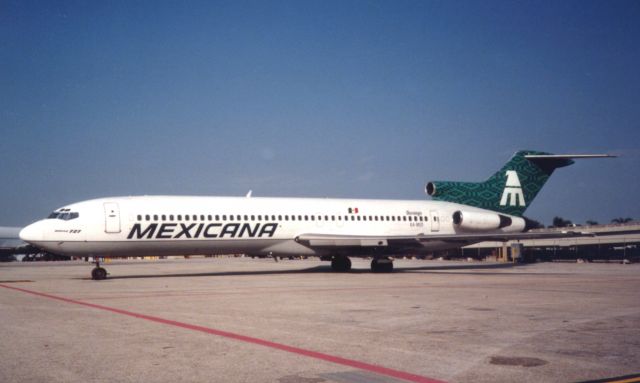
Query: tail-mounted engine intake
{"points": [[471, 220], [438, 188]]}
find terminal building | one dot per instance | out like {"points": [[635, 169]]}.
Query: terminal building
{"points": [[612, 243]]}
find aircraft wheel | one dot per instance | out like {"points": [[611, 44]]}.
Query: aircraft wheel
{"points": [[98, 274], [382, 265], [341, 264]]}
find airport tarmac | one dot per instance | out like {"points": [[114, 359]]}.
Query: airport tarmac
{"points": [[244, 320]]}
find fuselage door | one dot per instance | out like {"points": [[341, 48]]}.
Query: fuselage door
{"points": [[435, 220], [111, 217]]}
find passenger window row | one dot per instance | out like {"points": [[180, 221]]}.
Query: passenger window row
{"points": [[280, 217]]}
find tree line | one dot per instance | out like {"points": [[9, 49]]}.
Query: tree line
{"points": [[561, 222]]}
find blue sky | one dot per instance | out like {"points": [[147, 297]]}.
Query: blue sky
{"points": [[322, 99]]}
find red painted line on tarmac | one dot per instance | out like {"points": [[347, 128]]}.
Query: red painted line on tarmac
{"points": [[243, 338]]}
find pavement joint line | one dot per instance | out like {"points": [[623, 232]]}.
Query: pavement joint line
{"points": [[634, 378], [243, 338]]}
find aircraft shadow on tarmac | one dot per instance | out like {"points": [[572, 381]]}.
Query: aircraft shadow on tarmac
{"points": [[224, 273], [450, 269]]}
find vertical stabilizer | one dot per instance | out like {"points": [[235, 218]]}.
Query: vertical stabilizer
{"points": [[510, 190]]}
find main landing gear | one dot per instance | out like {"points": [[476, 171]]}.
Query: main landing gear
{"points": [[98, 273], [382, 265], [340, 263]]}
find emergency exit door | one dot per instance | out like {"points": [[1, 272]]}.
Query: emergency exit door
{"points": [[435, 220], [111, 217]]}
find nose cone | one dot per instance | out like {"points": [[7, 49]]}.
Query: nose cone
{"points": [[32, 233]]}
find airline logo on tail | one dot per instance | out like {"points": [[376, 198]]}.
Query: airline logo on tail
{"points": [[512, 193]]}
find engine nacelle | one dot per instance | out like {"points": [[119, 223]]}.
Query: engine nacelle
{"points": [[438, 188], [476, 221]]}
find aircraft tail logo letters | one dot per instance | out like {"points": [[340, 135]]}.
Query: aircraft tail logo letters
{"points": [[512, 193]]}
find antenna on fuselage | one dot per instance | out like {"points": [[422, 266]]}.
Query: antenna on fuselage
{"points": [[249, 193]]}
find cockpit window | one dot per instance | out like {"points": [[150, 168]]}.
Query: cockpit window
{"points": [[64, 214]]}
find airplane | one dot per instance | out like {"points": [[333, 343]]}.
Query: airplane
{"points": [[11, 244], [459, 214]]}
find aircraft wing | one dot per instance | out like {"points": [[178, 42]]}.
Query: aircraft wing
{"points": [[328, 240], [336, 241], [503, 237]]}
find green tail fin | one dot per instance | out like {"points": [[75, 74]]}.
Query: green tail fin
{"points": [[510, 191]]}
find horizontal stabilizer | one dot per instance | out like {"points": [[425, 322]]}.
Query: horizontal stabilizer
{"points": [[549, 162], [567, 156]]}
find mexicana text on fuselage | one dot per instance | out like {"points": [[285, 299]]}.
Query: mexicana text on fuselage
{"points": [[202, 230]]}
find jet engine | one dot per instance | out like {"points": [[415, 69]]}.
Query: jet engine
{"points": [[478, 221], [439, 188]]}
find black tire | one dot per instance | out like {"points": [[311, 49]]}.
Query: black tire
{"points": [[381, 266], [98, 274], [341, 264]]}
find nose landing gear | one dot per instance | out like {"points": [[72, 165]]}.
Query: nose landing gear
{"points": [[98, 273]]}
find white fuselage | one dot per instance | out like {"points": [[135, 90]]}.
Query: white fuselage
{"points": [[172, 225]]}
